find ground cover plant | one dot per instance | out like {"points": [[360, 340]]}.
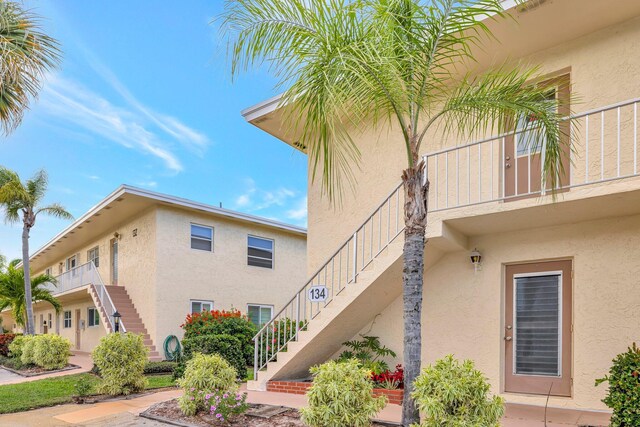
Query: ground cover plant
{"points": [[623, 396]]}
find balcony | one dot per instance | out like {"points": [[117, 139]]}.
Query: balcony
{"points": [[473, 186]]}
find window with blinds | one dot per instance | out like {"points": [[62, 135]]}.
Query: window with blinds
{"points": [[537, 328]]}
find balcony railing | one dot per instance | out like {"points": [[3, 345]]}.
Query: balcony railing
{"points": [[603, 148], [84, 275]]}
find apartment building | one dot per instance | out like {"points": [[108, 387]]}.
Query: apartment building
{"points": [[154, 259], [554, 296]]}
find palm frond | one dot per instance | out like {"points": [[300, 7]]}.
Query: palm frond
{"points": [[26, 55], [55, 210], [37, 186]]}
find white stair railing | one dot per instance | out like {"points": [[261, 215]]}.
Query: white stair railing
{"points": [[604, 146]]}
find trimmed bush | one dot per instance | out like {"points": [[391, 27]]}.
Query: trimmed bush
{"points": [[5, 340], [164, 367], [341, 395], [121, 359], [452, 394], [623, 396], [15, 348], [51, 351], [28, 348], [227, 346], [221, 322], [205, 374]]}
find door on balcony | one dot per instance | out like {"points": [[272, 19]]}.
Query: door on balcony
{"points": [[538, 328], [114, 262], [523, 155], [78, 329]]}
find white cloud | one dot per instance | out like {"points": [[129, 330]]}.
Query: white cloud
{"points": [[255, 199], [299, 211], [148, 184]]}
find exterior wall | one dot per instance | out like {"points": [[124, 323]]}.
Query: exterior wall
{"points": [[463, 310], [221, 276], [593, 60], [89, 335]]}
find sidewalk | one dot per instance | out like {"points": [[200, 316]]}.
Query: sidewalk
{"points": [[78, 358], [123, 412]]}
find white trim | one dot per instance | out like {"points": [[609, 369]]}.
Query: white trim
{"points": [[177, 201], [89, 325], [273, 252], [203, 239], [557, 273], [260, 307]]}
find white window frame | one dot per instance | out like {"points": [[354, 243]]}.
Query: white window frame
{"points": [[560, 325], [273, 252], [64, 320], [260, 307], [96, 258], [191, 237], [199, 301], [90, 318]]}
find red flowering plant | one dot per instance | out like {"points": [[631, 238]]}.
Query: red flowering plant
{"points": [[223, 322], [389, 379], [5, 340]]}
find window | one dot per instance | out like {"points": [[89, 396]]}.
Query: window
{"points": [[93, 316], [94, 255], [259, 314], [72, 262], [60, 268], [200, 306], [47, 272], [260, 252], [528, 142], [201, 238], [67, 319]]}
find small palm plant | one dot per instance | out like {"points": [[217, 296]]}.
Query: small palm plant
{"points": [[21, 202], [404, 66], [12, 294], [26, 55]]}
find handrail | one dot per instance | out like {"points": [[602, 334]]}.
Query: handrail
{"points": [[484, 166]]}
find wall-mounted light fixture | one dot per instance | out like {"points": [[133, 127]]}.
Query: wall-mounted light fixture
{"points": [[476, 257], [135, 232], [116, 235]]}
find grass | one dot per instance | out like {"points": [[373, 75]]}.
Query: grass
{"points": [[249, 373], [55, 391]]}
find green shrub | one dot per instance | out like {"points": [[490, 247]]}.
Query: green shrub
{"points": [[221, 322], [341, 395], [83, 386], [27, 350], [227, 346], [205, 374], [120, 359], [369, 353], [623, 396], [164, 367], [452, 394], [51, 351], [15, 348]]}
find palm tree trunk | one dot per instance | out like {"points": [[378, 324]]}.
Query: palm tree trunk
{"points": [[415, 219], [29, 327]]}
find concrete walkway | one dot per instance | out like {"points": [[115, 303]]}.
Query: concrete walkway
{"points": [[78, 358], [123, 412]]}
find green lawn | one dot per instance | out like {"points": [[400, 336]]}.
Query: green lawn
{"points": [[54, 391]]}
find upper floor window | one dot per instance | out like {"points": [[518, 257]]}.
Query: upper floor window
{"points": [[67, 319], [94, 255], [93, 316], [201, 237], [201, 306], [260, 252], [47, 272], [72, 262]]}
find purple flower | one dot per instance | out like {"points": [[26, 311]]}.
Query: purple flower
{"points": [[225, 395], [218, 415], [207, 397]]}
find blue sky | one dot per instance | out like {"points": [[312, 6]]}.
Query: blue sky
{"points": [[144, 97]]}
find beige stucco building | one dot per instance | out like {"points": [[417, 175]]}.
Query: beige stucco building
{"points": [[155, 258], [555, 296]]}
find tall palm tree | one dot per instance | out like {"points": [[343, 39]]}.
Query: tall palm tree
{"points": [[26, 55], [21, 202], [347, 65], [12, 292]]}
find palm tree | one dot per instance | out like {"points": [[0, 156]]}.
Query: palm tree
{"points": [[22, 200], [26, 55], [347, 65], [12, 292]]}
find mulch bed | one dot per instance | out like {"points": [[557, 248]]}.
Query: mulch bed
{"points": [[169, 412], [34, 371]]}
